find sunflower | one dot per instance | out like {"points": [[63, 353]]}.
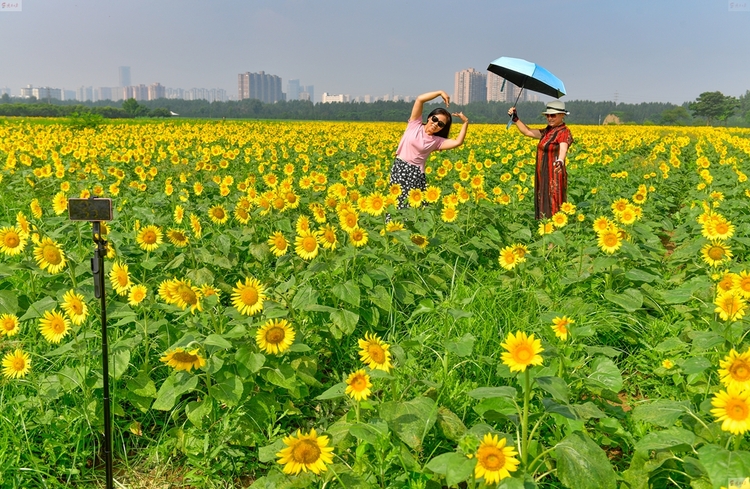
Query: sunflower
{"points": [[432, 194], [178, 238], [36, 208], [393, 226], [419, 240], [278, 244], [609, 241], [9, 325], [60, 203], [328, 238], [306, 245], [185, 295], [49, 256], [416, 197], [628, 215], [181, 359], [16, 364], [728, 281], [358, 385], [449, 214], [732, 410], [735, 369], [195, 224], [730, 306], [54, 326], [375, 353], [508, 259], [718, 229], [377, 204], [545, 228], [248, 298], [522, 351], [559, 219], [179, 214], [305, 452], [743, 284], [520, 250], [137, 294], [348, 220], [12, 241], [358, 237], [715, 253], [303, 224], [601, 224], [276, 336], [149, 238], [619, 205], [568, 208], [120, 278], [318, 212], [495, 460], [560, 327], [75, 307]]}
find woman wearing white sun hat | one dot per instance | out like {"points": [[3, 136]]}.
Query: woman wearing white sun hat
{"points": [[551, 182]]}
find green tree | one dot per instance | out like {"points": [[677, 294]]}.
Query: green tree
{"points": [[133, 108], [714, 106], [677, 116]]}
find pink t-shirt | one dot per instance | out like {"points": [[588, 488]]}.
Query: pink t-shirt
{"points": [[416, 145]]}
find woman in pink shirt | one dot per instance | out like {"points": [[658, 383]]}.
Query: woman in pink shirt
{"points": [[419, 140]]}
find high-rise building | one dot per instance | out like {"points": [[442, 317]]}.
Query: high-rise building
{"points": [[329, 98], [5, 91], [310, 90], [497, 88], [266, 88], [138, 92], [85, 94], [125, 76], [46, 93], [156, 91], [470, 86], [292, 90]]}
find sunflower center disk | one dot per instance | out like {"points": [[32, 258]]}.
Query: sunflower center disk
{"points": [[376, 353], [275, 335], [306, 452]]}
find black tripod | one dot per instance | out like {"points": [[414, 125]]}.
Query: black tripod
{"points": [[97, 268]]}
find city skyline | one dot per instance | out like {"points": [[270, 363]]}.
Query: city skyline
{"points": [[638, 51]]}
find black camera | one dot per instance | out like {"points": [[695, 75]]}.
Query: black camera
{"points": [[93, 209]]}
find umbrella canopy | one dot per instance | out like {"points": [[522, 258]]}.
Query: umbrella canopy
{"points": [[528, 75]]}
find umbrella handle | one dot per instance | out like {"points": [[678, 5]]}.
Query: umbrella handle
{"points": [[515, 104]]}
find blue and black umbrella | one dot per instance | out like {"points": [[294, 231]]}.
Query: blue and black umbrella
{"points": [[527, 75]]}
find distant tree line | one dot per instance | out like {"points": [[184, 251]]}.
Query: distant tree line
{"points": [[708, 108]]}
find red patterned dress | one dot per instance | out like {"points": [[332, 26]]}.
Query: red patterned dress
{"points": [[550, 184]]}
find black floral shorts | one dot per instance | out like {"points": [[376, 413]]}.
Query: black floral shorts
{"points": [[408, 176]]}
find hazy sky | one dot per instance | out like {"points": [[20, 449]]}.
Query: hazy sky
{"points": [[641, 50]]}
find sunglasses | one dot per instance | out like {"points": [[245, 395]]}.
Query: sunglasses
{"points": [[437, 121], [551, 115]]}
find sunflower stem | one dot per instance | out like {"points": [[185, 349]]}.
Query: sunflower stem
{"points": [[525, 417]]}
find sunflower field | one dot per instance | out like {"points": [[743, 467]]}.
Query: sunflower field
{"points": [[275, 322]]}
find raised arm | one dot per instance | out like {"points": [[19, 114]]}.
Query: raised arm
{"points": [[523, 128], [416, 111], [455, 143]]}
